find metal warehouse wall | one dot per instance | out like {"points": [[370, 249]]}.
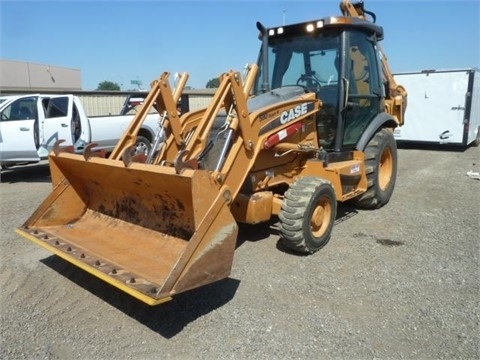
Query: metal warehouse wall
{"points": [[98, 105], [200, 99], [110, 104]]}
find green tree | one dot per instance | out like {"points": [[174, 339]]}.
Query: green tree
{"points": [[108, 85], [213, 83]]}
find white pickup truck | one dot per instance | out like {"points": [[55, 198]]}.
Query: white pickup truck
{"points": [[31, 124]]}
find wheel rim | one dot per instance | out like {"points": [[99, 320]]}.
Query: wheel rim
{"points": [[385, 168], [320, 217], [141, 148]]}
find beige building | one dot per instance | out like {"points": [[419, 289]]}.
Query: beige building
{"points": [[27, 76]]}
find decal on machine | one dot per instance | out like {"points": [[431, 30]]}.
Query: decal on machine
{"points": [[292, 114], [355, 169], [288, 115]]}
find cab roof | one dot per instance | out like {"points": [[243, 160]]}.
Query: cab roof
{"points": [[333, 22]]}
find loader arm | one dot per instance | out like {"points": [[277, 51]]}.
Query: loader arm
{"points": [[190, 122], [229, 97], [165, 101]]}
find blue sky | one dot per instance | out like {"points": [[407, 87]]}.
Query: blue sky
{"points": [[122, 41]]}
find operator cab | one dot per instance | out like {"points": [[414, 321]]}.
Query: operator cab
{"points": [[337, 59]]}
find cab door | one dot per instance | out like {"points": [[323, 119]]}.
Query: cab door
{"points": [[57, 124], [18, 132], [363, 100]]}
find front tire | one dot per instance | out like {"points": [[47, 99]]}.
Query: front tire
{"points": [[307, 214], [381, 170]]}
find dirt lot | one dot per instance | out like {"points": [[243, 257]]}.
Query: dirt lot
{"points": [[401, 282]]}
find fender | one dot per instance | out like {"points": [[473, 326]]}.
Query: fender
{"points": [[381, 120]]}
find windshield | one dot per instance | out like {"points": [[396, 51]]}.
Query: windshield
{"points": [[309, 61]]}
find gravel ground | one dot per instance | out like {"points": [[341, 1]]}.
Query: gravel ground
{"points": [[401, 282]]}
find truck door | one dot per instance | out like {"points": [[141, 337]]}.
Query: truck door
{"points": [[58, 120], [19, 131]]}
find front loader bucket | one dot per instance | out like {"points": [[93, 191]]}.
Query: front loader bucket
{"points": [[144, 229]]}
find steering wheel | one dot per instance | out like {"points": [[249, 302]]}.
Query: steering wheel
{"points": [[309, 79]]}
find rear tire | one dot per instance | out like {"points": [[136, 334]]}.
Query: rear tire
{"points": [[381, 169], [142, 146], [307, 214]]}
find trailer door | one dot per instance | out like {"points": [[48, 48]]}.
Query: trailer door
{"points": [[436, 107]]}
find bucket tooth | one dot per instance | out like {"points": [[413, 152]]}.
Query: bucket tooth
{"points": [[57, 149], [89, 152]]}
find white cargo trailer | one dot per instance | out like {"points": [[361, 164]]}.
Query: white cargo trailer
{"points": [[443, 107]]}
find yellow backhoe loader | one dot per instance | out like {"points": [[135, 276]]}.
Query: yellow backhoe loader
{"points": [[310, 125]]}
